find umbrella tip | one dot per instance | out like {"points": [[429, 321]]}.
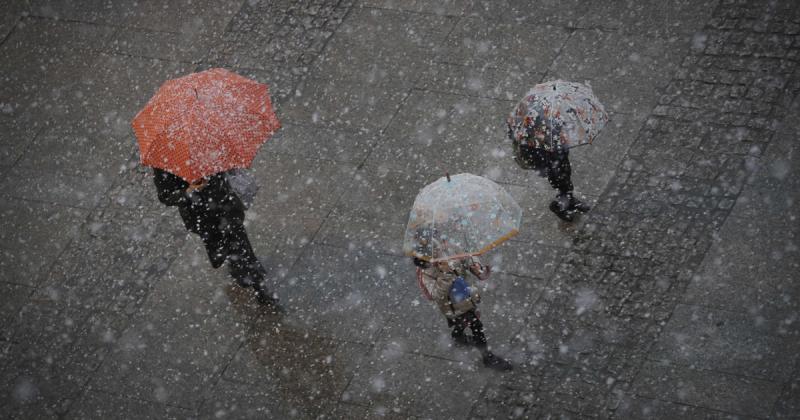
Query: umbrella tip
{"points": [[447, 174]]}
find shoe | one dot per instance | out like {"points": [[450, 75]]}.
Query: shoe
{"points": [[575, 204], [565, 215], [264, 296], [491, 361]]}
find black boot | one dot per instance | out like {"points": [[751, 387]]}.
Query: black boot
{"points": [[492, 361], [561, 209], [264, 296], [578, 205]]}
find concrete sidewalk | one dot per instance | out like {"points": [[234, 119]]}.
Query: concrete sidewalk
{"points": [[675, 297]]}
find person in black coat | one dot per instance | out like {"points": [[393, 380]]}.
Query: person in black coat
{"points": [[551, 159], [210, 209]]}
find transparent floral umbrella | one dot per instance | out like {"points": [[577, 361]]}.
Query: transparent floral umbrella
{"points": [[557, 112], [460, 216]]}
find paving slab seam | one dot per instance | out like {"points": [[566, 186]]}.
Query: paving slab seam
{"points": [[58, 19], [786, 389]]}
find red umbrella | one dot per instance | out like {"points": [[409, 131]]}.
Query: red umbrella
{"points": [[205, 123]]}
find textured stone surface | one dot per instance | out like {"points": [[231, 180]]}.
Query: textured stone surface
{"points": [[674, 297]]}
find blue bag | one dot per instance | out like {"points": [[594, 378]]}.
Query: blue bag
{"points": [[459, 291]]}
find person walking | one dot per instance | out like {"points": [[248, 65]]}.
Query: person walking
{"points": [[210, 209], [551, 119], [552, 162], [445, 283]]}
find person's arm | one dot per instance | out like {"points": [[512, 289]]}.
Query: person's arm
{"points": [[482, 272], [171, 189]]}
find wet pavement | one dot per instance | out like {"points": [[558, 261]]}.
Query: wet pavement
{"points": [[675, 297]]}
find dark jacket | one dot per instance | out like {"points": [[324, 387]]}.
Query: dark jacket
{"points": [[207, 212]]}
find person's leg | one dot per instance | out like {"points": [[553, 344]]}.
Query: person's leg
{"points": [[476, 326], [559, 175], [244, 265], [216, 248], [457, 334]]}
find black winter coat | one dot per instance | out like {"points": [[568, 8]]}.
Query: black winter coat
{"points": [[208, 212]]}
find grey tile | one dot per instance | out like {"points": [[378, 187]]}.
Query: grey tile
{"points": [[174, 46], [77, 152], [61, 189], [529, 48], [236, 400], [32, 237], [632, 407], [448, 133], [444, 8], [180, 16], [12, 13], [396, 379], [100, 11], [406, 41], [314, 142], [345, 105], [722, 341], [98, 404], [484, 81], [17, 134], [355, 306], [521, 12], [302, 369], [298, 187], [652, 18], [624, 70], [706, 389], [15, 296], [178, 342]]}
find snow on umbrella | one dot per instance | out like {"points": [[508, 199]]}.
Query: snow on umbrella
{"points": [[557, 112], [460, 216], [205, 123]]}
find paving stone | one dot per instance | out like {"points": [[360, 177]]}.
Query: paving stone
{"points": [[624, 70], [450, 134], [491, 82], [556, 13], [446, 8], [299, 186], [407, 43], [326, 304], [723, 342], [305, 371], [634, 407], [679, 19], [386, 385], [98, 404], [707, 389], [33, 235], [474, 44], [309, 141]]}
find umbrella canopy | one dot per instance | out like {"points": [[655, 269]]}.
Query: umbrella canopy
{"points": [[205, 123], [557, 112], [460, 216]]}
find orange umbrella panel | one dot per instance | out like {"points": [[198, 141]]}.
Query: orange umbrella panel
{"points": [[205, 123]]}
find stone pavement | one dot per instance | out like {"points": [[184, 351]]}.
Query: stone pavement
{"points": [[675, 297]]}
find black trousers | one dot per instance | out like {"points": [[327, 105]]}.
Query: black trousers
{"points": [[230, 243], [559, 172], [469, 320]]}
